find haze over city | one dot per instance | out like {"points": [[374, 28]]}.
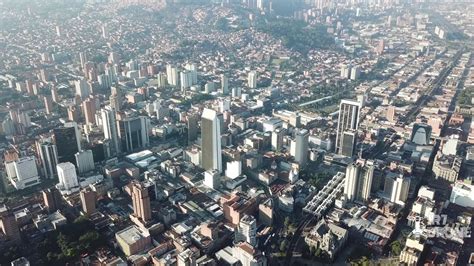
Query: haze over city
{"points": [[236, 132]]}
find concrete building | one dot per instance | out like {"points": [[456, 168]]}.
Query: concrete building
{"points": [[348, 143], [88, 201], [300, 148], [252, 80], [48, 155], [68, 181], [462, 194], [234, 169], [411, 253], [247, 230], [85, 161], [265, 212], [68, 142], [224, 84], [8, 225], [133, 133], [88, 106], [349, 115], [447, 167], [23, 173], [277, 139], [358, 182], [396, 187], [141, 202], [211, 141], [109, 127], [133, 240], [82, 88], [212, 179], [52, 199]]}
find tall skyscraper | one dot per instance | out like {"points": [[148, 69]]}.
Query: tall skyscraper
{"points": [[67, 176], [89, 111], [67, 139], [359, 176], [48, 156], [82, 88], [299, 147], [84, 161], [192, 127], [252, 80], [211, 141], [172, 75], [277, 139], [54, 94], [48, 104], [161, 80], [348, 145], [133, 133], [224, 84], [109, 126], [349, 112], [193, 70], [141, 202], [88, 201], [186, 79]]}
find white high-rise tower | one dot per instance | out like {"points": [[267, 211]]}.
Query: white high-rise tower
{"points": [[211, 141]]}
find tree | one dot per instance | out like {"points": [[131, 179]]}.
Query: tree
{"points": [[283, 245], [396, 248], [287, 221]]}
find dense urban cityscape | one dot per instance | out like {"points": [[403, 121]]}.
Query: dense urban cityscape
{"points": [[236, 132]]}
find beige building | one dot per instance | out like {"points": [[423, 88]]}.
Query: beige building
{"points": [[133, 240], [265, 212], [412, 250], [88, 199], [447, 167], [141, 202]]}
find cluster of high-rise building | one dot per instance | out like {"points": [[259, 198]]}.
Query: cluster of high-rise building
{"points": [[207, 145]]}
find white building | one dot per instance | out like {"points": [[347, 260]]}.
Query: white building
{"points": [[247, 230], [85, 161], [68, 181], [462, 195], [299, 147], [186, 79], [23, 173], [252, 80], [109, 127], [234, 169], [450, 147], [358, 181], [397, 187], [212, 179]]}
